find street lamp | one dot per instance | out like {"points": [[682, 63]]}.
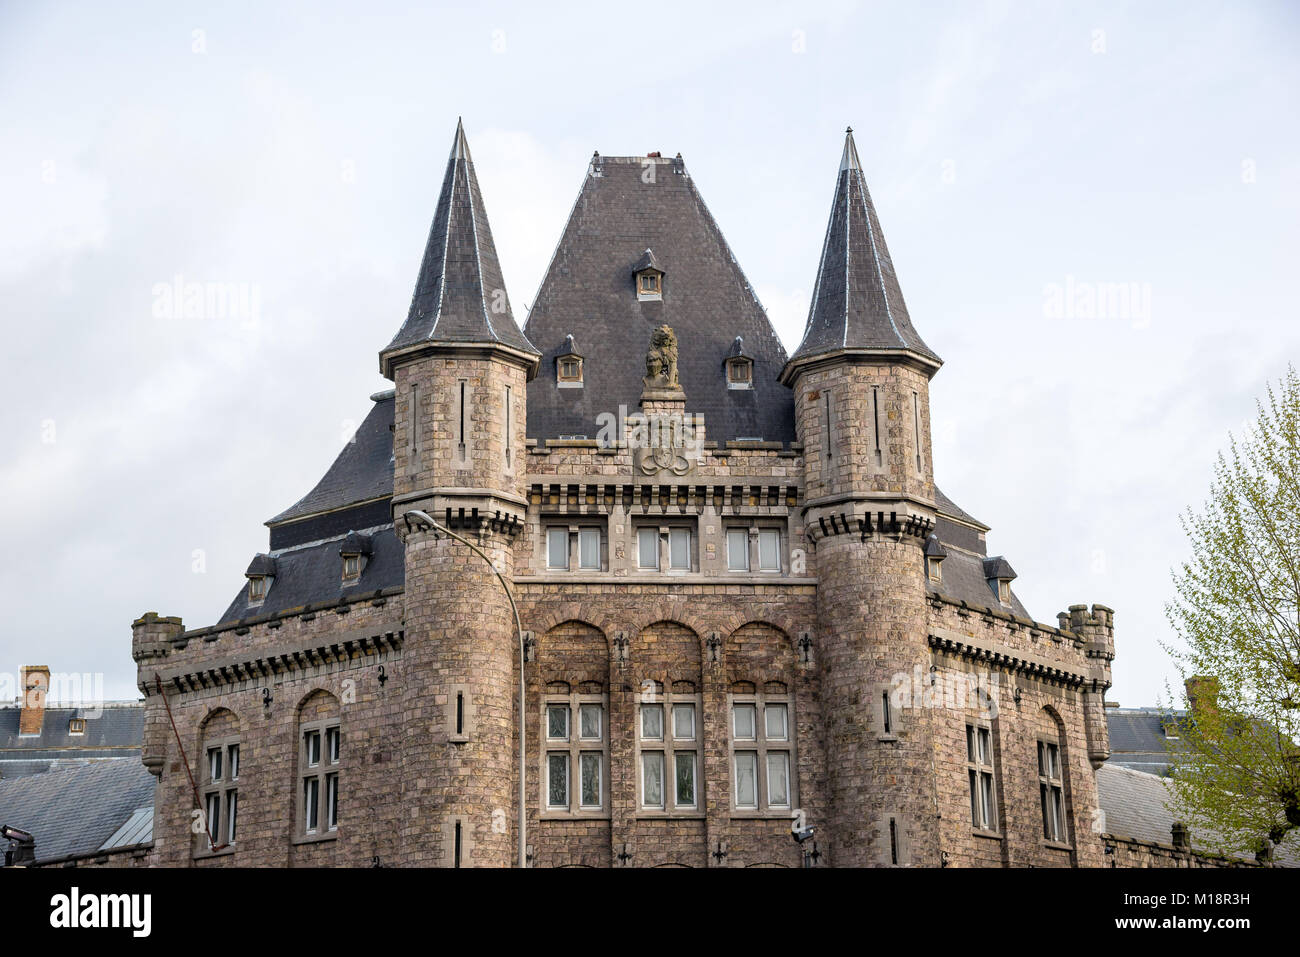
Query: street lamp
{"points": [[438, 529]]}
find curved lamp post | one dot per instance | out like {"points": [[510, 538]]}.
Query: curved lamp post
{"points": [[438, 529]]}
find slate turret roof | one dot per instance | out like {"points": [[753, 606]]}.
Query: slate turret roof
{"points": [[460, 294], [628, 205], [857, 301]]}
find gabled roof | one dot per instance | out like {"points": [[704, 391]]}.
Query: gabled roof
{"points": [[76, 810], [628, 204], [857, 303], [460, 295]]}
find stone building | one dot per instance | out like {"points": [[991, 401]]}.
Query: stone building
{"points": [[747, 609]]}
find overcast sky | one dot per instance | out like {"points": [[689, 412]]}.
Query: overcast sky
{"points": [[1021, 156]]}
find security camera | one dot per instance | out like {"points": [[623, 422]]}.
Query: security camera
{"points": [[14, 834], [801, 834]]}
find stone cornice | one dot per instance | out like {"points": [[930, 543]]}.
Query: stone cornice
{"points": [[355, 649], [1016, 662]]}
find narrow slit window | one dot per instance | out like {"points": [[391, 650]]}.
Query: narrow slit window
{"points": [[826, 396], [460, 434], [887, 719], [460, 712], [893, 841], [509, 425], [875, 421], [916, 427]]}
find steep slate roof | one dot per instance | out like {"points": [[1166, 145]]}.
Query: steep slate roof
{"points": [[857, 302], [589, 292], [76, 810], [1136, 806], [115, 734], [963, 579], [314, 573], [1137, 738], [460, 295]]}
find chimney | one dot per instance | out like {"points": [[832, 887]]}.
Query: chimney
{"points": [[36, 683], [1202, 692], [1180, 836]]}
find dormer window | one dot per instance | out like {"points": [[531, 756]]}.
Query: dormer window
{"points": [[935, 553], [739, 366], [260, 575], [355, 551], [1000, 575], [77, 726], [648, 276], [568, 366]]}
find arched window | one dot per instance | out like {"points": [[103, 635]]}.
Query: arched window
{"points": [[1052, 785], [219, 775], [320, 750]]}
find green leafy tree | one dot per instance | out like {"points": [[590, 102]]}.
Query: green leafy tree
{"points": [[1236, 764]]}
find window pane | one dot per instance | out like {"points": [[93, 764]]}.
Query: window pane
{"points": [[589, 548], [684, 722], [986, 800], [746, 779], [679, 547], [589, 721], [1058, 817], [332, 801], [970, 743], [744, 721], [652, 781], [311, 804], [232, 815], [984, 749], [212, 818], [1042, 758], [590, 770], [312, 739], [1053, 761], [738, 549], [557, 778], [233, 762], [332, 744], [1047, 812], [214, 764], [652, 721], [685, 761], [776, 718], [557, 548], [974, 801], [778, 779], [769, 549], [557, 722], [647, 547]]}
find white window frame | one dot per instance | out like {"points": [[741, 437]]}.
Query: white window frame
{"points": [[324, 772], [665, 536], [220, 792], [981, 777], [575, 747], [755, 534], [670, 747], [1051, 792], [761, 746]]}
